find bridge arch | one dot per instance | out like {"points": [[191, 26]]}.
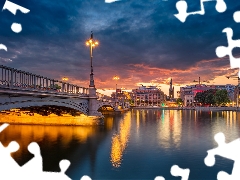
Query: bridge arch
{"points": [[80, 105], [106, 104], [47, 110]]}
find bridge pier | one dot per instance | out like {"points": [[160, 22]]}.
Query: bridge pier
{"points": [[93, 103]]}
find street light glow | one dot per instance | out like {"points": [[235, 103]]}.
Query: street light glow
{"points": [[64, 78], [92, 43], [116, 78]]}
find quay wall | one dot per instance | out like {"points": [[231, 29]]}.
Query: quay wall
{"points": [[191, 108], [37, 119]]}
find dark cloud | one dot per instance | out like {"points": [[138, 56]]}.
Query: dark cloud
{"points": [[131, 33]]}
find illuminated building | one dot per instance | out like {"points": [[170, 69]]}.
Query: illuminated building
{"points": [[188, 93], [148, 96], [122, 97]]}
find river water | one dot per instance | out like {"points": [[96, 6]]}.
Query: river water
{"points": [[139, 144]]}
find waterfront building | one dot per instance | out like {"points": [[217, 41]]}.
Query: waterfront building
{"points": [[188, 93], [148, 96], [122, 97]]}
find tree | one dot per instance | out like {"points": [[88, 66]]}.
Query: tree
{"points": [[209, 97], [179, 101], [206, 97], [55, 86], [221, 97], [199, 97]]}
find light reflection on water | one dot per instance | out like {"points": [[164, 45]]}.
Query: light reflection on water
{"points": [[169, 130], [120, 140], [140, 144]]}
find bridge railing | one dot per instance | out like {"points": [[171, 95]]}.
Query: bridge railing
{"points": [[16, 79]]}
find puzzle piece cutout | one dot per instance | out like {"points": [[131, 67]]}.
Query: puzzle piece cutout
{"points": [[222, 51], [33, 169], [5, 156], [236, 16], [2, 46], [182, 6], [16, 27], [111, 1], [85, 178], [176, 171], [3, 126], [227, 150], [12, 7]]}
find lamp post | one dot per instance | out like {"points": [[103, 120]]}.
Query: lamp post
{"points": [[91, 43], [92, 94], [64, 79], [116, 78]]}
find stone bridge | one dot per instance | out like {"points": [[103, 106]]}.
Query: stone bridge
{"points": [[20, 89]]}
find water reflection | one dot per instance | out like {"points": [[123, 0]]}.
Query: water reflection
{"points": [[56, 142], [231, 121], [170, 128], [120, 140], [159, 138]]}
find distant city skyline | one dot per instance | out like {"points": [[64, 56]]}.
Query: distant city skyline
{"points": [[141, 41]]}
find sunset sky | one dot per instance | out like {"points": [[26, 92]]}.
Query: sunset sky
{"points": [[141, 41]]}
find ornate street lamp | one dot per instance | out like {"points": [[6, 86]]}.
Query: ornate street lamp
{"points": [[116, 78], [65, 78], [91, 43]]}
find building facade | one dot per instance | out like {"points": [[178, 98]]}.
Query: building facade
{"points": [[188, 93], [148, 96]]}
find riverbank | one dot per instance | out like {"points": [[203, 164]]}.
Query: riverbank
{"points": [[119, 111], [190, 108], [36, 119]]}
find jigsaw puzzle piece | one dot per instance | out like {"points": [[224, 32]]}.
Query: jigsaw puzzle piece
{"points": [[8, 165], [33, 169], [221, 6], [235, 173], [5, 125], [236, 16], [159, 178], [88, 178], [53, 175], [182, 6], [226, 150], [64, 164], [34, 165], [177, 171], [12, 7], [225, 176], [222, 51]]}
